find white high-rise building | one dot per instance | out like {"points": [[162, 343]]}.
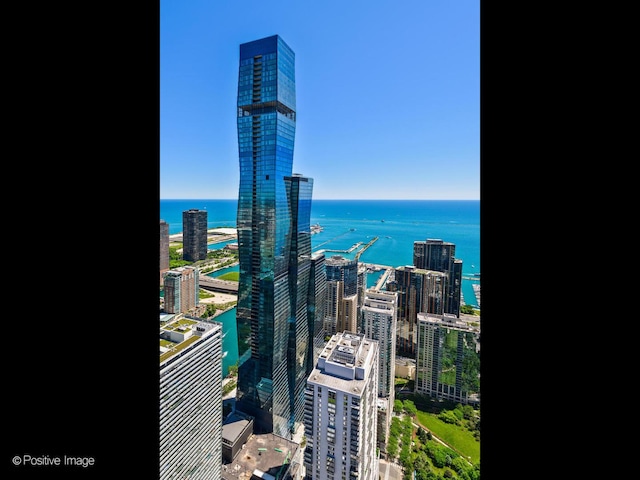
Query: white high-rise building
{"points": [[379, 318], [340, 414], [190, 398]]}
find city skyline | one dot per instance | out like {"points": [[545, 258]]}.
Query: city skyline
{"points": [[389, 97]]}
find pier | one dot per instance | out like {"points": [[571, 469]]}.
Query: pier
{"points": [[371, 242], [349, 250]]}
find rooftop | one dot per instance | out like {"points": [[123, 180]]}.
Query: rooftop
{"points": [[179, 332], [267, 453], [344, 363]]}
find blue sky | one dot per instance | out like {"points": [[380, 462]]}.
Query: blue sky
{"points": [[387, 94]]}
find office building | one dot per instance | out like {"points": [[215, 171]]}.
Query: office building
{"points": [[194, 235], [341, 310], [435, 254], [340, 414], [164, 249], [418, 291], [190, 398], [274, 246], [448, 358], [181, 290]]}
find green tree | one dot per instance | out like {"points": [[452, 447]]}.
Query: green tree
{"points": [[410, 408], [467, 309], [397, 406]]}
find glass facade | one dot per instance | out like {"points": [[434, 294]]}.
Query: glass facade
{"points": [[194, 235], [448, 360], [274, 245], [435, 254]]}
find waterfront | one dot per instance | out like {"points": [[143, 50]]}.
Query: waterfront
{"points": [[344, 223], [396, 223]]}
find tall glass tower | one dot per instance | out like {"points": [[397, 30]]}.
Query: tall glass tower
{"points": [[274, 208]]}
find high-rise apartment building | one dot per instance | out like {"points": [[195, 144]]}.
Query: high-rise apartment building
{"points": [[274, 246], [164, 249], [341, 310], [379, 316], [379, 323], [194, 235], [448, 358], [418, 291], [181, 289], [435, 254], [190, 398], [341, 410]]}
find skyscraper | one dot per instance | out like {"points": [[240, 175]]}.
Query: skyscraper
{"points": [[379, 318], [341, 410], [342, 295], [164, 248], [181, 289], [317, 301], [194, 235], [435, 254], [448, 358], [190, 398], [274, 246], [379, 314], [418, 290]]}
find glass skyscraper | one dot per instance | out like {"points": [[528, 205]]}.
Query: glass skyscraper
{"points": [[274, 244]]}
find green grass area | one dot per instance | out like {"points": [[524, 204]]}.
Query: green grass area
{"points": [[205, 294], [230, 276], [183, 322], [179, 347], [459, 439]]}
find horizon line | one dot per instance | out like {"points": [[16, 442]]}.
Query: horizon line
{"points": [[363, 199]]}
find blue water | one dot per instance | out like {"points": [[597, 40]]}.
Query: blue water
{"points": [[222, 271], [396, 223], [230, 340]]}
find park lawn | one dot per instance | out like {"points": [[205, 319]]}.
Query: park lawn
{"points": [[460, 439], [205, 294], [231, 276]]}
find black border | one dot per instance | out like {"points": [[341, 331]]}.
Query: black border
{"points": [[82, 206]]}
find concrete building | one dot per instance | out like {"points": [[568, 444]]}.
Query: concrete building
{"points": [[340, 414], [164, 249], [265, 456], [194, 235], [405, 368], [379, 323], [181, 290], [341, 309], [190, 398], [448, 358], [236, 430]]}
